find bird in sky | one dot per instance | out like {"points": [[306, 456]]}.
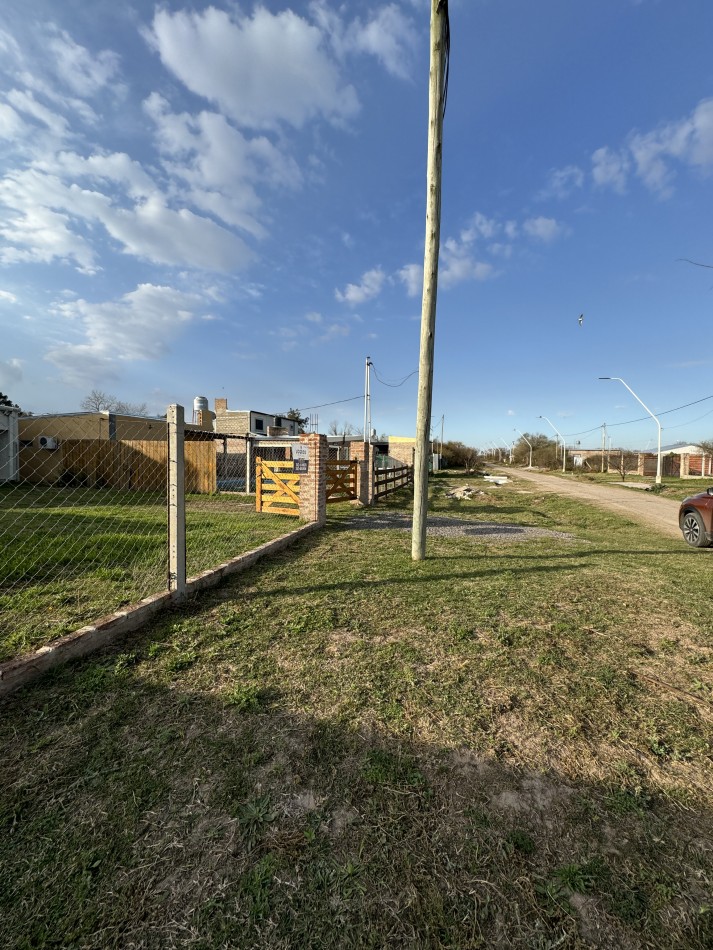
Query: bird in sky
{"points": [[580, 321]]}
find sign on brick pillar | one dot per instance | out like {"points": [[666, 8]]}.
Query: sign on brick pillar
{"points": [[313, 482], [364, 453]]}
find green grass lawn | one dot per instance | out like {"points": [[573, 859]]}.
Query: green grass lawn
{"points": [[507, 744], [70, 555]]}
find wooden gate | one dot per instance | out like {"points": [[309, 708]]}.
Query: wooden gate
{"points": [[277, 488], [341, 480]]}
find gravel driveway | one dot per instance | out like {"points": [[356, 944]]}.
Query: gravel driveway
{"points": [[447, 527], [651, 510]]}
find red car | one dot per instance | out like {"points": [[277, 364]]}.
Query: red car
{"points": [[695, 517]]}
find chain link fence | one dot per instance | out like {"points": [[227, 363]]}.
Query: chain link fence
{"points": [[84, 518]]}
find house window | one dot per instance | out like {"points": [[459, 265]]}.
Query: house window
{"points": [[278, 420], [259, 425]]}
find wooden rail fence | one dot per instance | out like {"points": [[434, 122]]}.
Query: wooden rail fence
{"points": [[390, 479]]}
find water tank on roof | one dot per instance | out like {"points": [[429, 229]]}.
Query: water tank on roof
{"points": [[200, 409]]}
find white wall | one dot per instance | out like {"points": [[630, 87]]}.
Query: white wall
{"points": [[9, 445]]}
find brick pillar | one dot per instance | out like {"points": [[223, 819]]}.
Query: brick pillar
{"points": [[363, 453], [313, 485]]}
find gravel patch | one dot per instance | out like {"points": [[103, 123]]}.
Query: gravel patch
{"points": [[454, 527]]}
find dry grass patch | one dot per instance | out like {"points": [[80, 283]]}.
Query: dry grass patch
{"points": [[344, 748]]}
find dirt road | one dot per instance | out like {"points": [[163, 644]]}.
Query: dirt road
{"points": [[658, 513]]}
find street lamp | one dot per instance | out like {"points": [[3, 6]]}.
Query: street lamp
{"points": [[658, 459], [508, 446], [564, 446], [528, 442]]}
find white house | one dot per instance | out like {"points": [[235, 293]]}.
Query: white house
{"points": [[9, 445]]}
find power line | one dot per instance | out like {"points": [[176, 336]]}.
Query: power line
{"points": [[666, 412], [323, 404], [393, 385]]}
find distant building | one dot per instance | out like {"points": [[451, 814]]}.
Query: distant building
{"points": [[250, 422], [107, 449], [9, 444], [402, 448]]}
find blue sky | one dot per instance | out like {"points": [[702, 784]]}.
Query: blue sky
{"points": [[228, 200]]}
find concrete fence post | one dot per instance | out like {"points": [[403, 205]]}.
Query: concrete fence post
{"points": [[363, 452], [313, 483], [176, 501]]}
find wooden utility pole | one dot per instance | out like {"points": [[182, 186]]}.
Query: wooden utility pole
{"points": [[438, 82]]}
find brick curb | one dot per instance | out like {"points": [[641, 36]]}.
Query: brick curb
{"points": [[24, 669]]}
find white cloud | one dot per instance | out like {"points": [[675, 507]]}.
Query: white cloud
{"points": [[141, 325], [31, 231], [11, 125], [653, 156], [6, 295], [388, 35], [688, 141], [261, 70], [543, 229], [610, 169], [411, 275], [464, 257], [480, 227], [334, 331], [562, 182], [25, 102], [48, 214], [83, 73], [371, 284], [313, 317], [10, 372], [158, 233], [221, 165], [457, 264]]}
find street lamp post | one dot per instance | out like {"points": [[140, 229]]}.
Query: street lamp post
{"points": [[658, 457], [508, 446], [564, 446], [529, 443]]}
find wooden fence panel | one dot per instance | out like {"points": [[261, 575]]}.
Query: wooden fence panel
{"points": [[127, 466], [391, 479]]}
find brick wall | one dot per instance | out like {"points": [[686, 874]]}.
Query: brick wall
{"points": [[230, 421], [402, 449]]}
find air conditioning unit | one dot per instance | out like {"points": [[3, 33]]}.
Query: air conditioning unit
{"points": [[47, 442]]}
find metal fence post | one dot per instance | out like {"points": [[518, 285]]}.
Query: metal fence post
{"points": [[176, 502]]}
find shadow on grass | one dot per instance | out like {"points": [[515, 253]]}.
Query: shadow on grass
{"points": [[157, 808]]}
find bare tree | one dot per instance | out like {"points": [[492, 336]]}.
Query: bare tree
{"points": [[99, 401], [344, 429], [624, 461]]}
